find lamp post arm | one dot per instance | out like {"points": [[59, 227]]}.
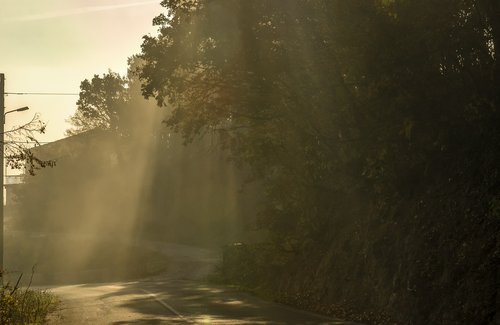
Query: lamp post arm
{"points": [[25, 108]]}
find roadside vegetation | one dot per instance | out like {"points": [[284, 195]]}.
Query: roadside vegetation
{"points": [[25, 305]]}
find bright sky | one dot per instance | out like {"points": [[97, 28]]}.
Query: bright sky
{"points": [[52, 45]]}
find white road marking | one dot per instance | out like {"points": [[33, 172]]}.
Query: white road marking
{"points": [[167, 306]]}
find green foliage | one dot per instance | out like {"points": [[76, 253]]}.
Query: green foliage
{"points": [[25, 306], [346, 110], [250, 265], [295, 88], [111, 102], [99, 104]]}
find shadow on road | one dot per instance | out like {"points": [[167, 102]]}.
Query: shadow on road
{"points": [[173, 301], [179, 296]]}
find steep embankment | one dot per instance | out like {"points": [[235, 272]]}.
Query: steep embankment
{"points": [[430, 256]]}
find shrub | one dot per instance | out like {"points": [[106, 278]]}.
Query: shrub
{"points": [[24, 306]]}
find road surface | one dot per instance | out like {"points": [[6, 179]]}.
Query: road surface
{"points": [[180, 296]]}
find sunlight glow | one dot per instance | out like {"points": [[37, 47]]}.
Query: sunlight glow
{"points": [[79, 11]]}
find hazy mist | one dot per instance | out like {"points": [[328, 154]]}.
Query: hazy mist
{"points": [[81, 220]]}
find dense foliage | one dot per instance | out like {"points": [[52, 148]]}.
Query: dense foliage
{"points": [[110, 102], [373, 126]]}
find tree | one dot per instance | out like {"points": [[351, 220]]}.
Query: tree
{"points": [[100, 103], [113, 103], [294, 88], [271, 93], [18, 145], [346, 110]]}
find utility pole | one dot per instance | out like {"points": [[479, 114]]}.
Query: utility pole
{"points": [[3, 113], [2, 122]]}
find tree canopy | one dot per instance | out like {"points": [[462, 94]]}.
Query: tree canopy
{"points": [[317, 104], [338, 107], [99, 104], [111, 102]]}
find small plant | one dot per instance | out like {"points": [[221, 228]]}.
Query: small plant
{"points": [[24, 306]]}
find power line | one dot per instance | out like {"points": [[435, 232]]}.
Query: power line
{"points": [[42, 94]]}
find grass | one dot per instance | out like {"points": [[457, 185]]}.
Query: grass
{"points": [[25, 306]]}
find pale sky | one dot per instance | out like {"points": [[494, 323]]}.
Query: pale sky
{"points": [[52, 45]]}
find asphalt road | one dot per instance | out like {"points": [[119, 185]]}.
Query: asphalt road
{"points": [[180, 296]]}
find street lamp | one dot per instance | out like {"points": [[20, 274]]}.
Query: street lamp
{"points": [[2, 110], [25, 108]]}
